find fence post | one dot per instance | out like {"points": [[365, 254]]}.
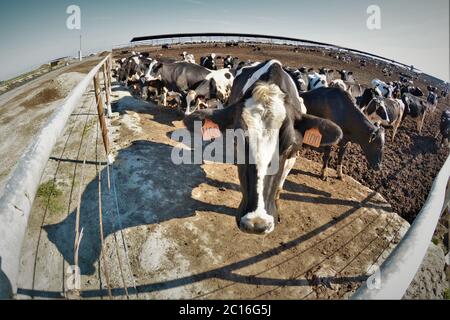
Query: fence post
{"points": [[107, 86], [101, 114]]}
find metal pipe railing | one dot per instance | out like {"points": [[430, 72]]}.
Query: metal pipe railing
{"points": [[399, 269], [20, 190]]}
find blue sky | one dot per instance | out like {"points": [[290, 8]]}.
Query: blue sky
{"points": [[413, 31]]}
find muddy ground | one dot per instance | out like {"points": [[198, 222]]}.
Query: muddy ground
{"points": [[411, 162]]}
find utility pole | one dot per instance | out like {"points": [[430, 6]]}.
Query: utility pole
{"points": [[80, 52]]}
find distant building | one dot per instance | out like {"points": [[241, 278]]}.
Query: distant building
{"points": [[58, 62]]}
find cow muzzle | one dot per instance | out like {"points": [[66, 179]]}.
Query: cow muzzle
{"points": [[259, 223]]}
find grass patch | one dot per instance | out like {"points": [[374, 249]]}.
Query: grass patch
{"points": [[447, 294], [51, 197]]}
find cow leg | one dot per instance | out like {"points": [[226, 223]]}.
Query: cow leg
{"points": [[342, 149], [326, 160], [191, 95], [422, 119], [396, 126], [288, 165], [163, 97]]}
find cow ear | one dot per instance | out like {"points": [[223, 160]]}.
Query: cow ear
{"points": [[350, 73], [330, 71], [331, 132], [310, 70], [224, 118]]}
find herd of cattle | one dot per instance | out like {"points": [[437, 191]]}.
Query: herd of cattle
{"points": [[257, 96]]}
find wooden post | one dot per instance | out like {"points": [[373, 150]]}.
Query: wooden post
{"points": [[101, 114], [107, 86]]}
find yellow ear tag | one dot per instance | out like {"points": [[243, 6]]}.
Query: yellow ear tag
{"points": [[312, 137], [210, 130]]}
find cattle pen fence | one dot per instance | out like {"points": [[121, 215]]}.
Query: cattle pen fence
{"points": [[397, 272], [22, 185]]}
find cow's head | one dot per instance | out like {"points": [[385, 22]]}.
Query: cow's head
{"points": [[274, 131], [346, 75], [373, 148]]}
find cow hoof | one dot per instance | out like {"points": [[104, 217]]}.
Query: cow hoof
{"points": [[341, 178], [324, 178]]}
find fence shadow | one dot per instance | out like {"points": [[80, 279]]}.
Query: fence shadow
{"points": [[150, 189]]}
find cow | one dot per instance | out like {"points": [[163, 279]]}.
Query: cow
{"points": [[316, 80], [209, 62], [337, 106], [230, 62], [188, 57], [264, 102], [417, 108], [367, 96], [327, 73], [385, 111], [445, 129], [338, 83], [192, 80], [346, 76], [432, 99], [300, 78], [384, 89]]}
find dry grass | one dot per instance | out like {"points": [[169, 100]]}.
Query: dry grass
{"points": [[45, 96]]}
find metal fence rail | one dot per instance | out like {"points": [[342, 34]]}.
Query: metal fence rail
{"points": [[180, 38], [399, 269], [20, 190]]}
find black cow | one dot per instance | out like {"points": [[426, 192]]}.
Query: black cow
{"points": [[445, 128], [337, 105], [265, 103]]}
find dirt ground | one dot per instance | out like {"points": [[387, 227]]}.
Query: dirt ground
{"points": [[410, 163]]}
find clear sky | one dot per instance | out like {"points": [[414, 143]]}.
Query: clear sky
{"points": [[412, 31]]}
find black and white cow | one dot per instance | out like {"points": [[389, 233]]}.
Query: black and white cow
{"points": [[316, 80], [209, 62], [445, 128], [188, 57], [192, 81], [417, 108], [300, 77], [230, 62], [337, 105], [386, 112], [384, 89], [329, 74], [265, 104], [432, 99]]}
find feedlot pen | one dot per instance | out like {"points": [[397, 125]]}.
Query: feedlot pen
{"points": [[170, 231]]}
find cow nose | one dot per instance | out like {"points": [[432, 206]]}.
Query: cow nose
{"points": [[256, 226]]}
